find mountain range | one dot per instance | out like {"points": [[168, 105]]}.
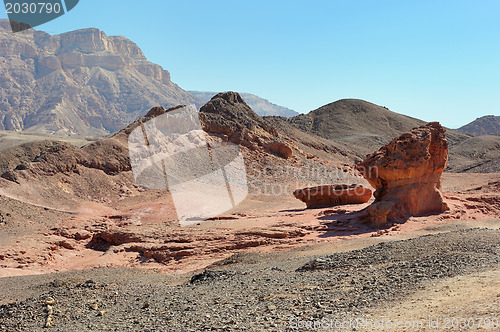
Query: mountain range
{"points": [[85, 83], [80, 82]]}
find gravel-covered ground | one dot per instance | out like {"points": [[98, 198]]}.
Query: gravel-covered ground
{"points": [[247, 292]]}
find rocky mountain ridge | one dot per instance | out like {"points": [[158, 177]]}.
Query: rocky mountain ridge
{"points": [[358, 123], [362, 126], [261, 106]]}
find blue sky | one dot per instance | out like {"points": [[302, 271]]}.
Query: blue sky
{"points": [[434, 60]]}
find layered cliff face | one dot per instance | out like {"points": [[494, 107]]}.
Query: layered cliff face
{"points": [[79, 82]]}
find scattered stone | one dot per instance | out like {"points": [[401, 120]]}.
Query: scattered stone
{"points": [[67, 244], [210, 275], [271, 307], [82, 234], [48, 321], [341, 284]]}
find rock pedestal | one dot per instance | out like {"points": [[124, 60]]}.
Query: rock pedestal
{"points": [[406, 174]]}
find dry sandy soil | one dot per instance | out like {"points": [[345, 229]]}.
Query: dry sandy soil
{"points": [[260, 243], [11, 138], [141, 230]]}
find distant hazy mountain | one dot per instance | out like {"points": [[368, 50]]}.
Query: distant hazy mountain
{"points": [[78, 82], [261, 106], [486, 125]]}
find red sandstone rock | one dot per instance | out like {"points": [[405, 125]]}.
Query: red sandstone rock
{"points": [[406, 174], [332, 195], [280, 148]]}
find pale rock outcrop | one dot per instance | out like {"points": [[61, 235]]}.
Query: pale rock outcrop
{"points": [[406, 174]]}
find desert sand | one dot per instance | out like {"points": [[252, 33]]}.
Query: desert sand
{"points": [[81, 270]]}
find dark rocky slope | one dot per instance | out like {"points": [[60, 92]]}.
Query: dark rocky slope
{"points": [[485, 125]]}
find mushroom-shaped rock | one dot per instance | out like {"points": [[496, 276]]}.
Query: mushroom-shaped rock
{"points": [[406, 174], [332, 195]]}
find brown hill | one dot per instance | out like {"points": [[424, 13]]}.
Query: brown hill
{"points": [[486, 125], [357, 123], [228, 116], [79, 82], [363, 127], [479, 154], [227, 113], [50, 171], [60, 175]]}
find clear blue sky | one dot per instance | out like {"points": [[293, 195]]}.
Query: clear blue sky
{"points": [[434, 60]]}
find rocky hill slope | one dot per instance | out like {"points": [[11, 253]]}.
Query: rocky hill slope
{"points": [[358, 123], [261, 106], [60, 174], [79, 82], [363, 127], [479, 154], [230, 118], [485, 125], [57, 198]]}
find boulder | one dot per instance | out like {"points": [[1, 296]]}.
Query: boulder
{"points": [[406, 174], [279, 148], [332, 195]]}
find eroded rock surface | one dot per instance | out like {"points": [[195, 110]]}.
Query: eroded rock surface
{"points": [[79, 82], [332, 195], [406, 174]]}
